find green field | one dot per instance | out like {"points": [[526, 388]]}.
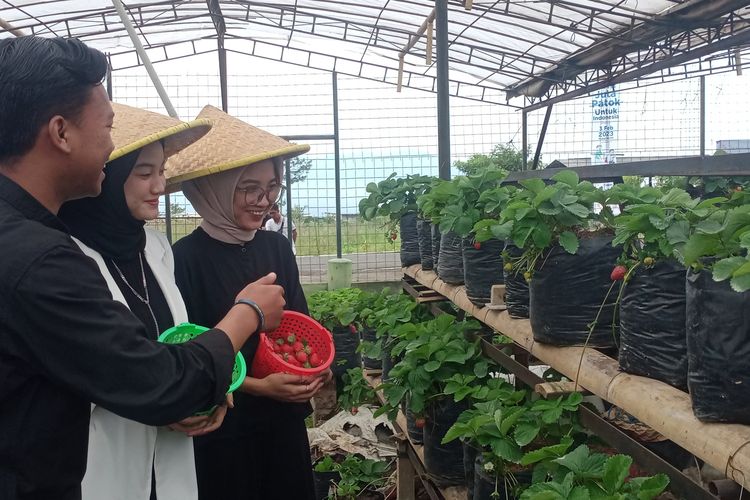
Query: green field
{"points": [[316, 236]]}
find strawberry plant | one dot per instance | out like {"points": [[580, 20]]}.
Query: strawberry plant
{"points": [[515, 431], [359, 475], [357, 391], [433, 352], [581, 474], [393, 198], [335, 308], [539, 215], [464, 208], [721, 242], [655, 225], [389, 314]]}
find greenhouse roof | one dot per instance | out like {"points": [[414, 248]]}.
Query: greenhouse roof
{"points": [[545, 50]]}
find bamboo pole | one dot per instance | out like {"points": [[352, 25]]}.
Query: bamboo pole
{"points": [[664, 408]]}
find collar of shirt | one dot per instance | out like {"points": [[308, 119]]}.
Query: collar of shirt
{"points": [[27, 205]]}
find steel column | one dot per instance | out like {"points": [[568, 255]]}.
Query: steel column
{"points": [[336, 163], [443, 90], [525, 138], [541, 137], [289, 222], [703, 115]]}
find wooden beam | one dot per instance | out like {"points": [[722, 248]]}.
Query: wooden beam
{"points": [[11, 29]]}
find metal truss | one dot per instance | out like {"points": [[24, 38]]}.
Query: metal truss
{"points": [[500, 50]]}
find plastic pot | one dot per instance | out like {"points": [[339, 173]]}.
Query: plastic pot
{"points": [[443, 462]]}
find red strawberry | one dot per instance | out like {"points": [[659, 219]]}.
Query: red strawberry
{"points": [[352, 328], [298, 346], [314, 360], [354, 410], [276, 348], [419, 422], [618, 273], [286, 348], [394, 235], [301, 357], [293, 361], [477, 245]]}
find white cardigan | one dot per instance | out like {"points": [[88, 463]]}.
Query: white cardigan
{"points": [[120, 450]]}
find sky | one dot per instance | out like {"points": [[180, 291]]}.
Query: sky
{"points": [[382, 131]]}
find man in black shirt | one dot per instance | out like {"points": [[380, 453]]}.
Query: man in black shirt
{"points": [[63, 341]]}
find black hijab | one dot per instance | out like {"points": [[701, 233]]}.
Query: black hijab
{"points": [[104, 223]]}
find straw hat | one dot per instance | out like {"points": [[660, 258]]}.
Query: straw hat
{"points": [[231, 143], [135, 128]]}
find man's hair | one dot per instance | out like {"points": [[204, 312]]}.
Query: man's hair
{"points": [[41, 78]]}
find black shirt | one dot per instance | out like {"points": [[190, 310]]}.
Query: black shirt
{"points": [[65, 343], [209, 274]]}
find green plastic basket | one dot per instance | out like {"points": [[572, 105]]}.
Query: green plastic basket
{"points": [[188, 331]]}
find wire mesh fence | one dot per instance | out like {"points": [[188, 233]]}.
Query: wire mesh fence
{"points": [[381, 132]]}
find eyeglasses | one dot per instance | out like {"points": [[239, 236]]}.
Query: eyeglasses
{"points": [[254, 194]]}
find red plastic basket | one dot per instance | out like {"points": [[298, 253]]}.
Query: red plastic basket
{"points": [[304, 327]]}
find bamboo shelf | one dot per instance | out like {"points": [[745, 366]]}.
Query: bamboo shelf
{"points": [[660, 406]]}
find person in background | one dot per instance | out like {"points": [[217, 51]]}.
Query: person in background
{"points": [[278, 223], [64, 342], [232, 180], [128, 460]]}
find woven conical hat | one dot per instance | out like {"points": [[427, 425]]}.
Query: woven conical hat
{"points": [[134, 128], [231, 143]]}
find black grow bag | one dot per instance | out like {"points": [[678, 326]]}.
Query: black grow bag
{"points": [[443, 462], [516, 287], [718, 343], [652, 324], [483, 268], [451, 263], [409, 240], [368, 334], [567, 291], [345, 344], [322, 481], [435, 231], [470, 455], [424, 235], [484, 483], [388, 363]]}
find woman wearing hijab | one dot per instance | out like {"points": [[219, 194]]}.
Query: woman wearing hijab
{"points": [[128, 460], [232, 178]]}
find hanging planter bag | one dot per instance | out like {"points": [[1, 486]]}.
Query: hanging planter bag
{"points": [[652, 324], [435, 231], [483, 267], [415, 433], [516, 287], [470, 452], [718, 346], [424, 235], [567, 291], [409, 240], [345, 343], [443, 462], [451, 263], [484, 483]]}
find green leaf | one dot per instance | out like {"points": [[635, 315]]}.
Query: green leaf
{"points": [[511, 416], [569, 242], [480, 368], [431, 366], [745, 240], [709, 226], [653, 486], [699, 245], [568, 177], [548, 452], [506, 449], [579, 493], [616, 469], [534, 185], [725, 268], [552, 415], [456, 431], [578, 210], [740, 283], [525, 433], [542, 236], [678, 232]]}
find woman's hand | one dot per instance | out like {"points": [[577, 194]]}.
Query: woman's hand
{"points": [[326, 377], [288, 388], [201, 425]]}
